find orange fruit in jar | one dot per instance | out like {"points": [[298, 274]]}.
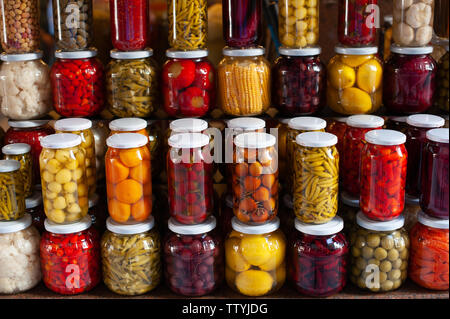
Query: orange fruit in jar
{"points": [[265, 158], [131, 157], [274, 189], [118, 211], [141, 173], [145, 153], [129, 191], [262, 194], [110, 190], [251, 183], [255, 169], [242, 216], [270, 204], [247, 205], [115, 171], [142, 209], [268, 180], [250, 154], [238, 190], [241, 169], [148, 189]]}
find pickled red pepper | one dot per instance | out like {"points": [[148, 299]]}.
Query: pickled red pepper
{"points": [[356, 26]]}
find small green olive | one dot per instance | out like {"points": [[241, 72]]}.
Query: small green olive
{"points": [[374, 261], [383, 277], [393, 255], [361, 263], [404, 265], [356, 271], [397, 234], [396, 264], [394, 274], [397, 283], [387, 285], [387, 243], [356, 252], [386, 266], [400, 244], [361, 283], [373, 240], [380, 253], [404, 275], [404, 254], [367, 252], [360, 242]]}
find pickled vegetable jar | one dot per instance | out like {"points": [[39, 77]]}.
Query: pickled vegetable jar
{"points": [[78, 84], [286, 214], [189, 83], [189, 178], [355, 77], [357, 22], [132, 81], [443, 98], [255, 258], [319, 256], [255, 178], [409, 80], [128, 177], [21, 152], [82, 127], [434, 198], [128, 125], [299, 81], [244, 81], [413, 22], [397, 123], [316, 177], [129, 24], [412, 209], [63, 178], [428, 265], [338, 127], [379, 254], [70, 257], [25, 90], [348, 208], [12, 198], [357, 127], [383, 174], [298, 25], [441, 19], [34, 207], [193, 256]]}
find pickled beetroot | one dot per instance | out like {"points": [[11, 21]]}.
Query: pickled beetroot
{"points": [[241, 22], [356, 25], [416, 139]]}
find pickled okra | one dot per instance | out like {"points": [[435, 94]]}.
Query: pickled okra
{"points": [[21, 152], [12, 199]]}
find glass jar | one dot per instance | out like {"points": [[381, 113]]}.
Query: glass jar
{"points": [[155, 136], [379, 254], [318, 258], [70, 257], [21, 152], [189, 83], [226, 215], [128, 125], [348, 208], [428, 265], [12, 204], [82, 127], [354, 84], [131, 257], [386, 36], [383, 174], [20, 25], [129, 24], [441, 19], [357, 22], [190, 178], [128, 177], [244, 81], [298, 25], [443, 98], [255, 178], [418, 125], [132, 80], [434, 198], [255, 258], [286, 214], [72, 21], [357, 127], [98, 212], [413, 22], [409, 80], [193, 256], [63, 178], [411, 211], [298, 81], [397, 123], [25, 90], [316, 177], [338, 126], [78, 84], [34, 207], [282, 148], [19, 262]]}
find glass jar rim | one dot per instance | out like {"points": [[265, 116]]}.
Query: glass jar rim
{"points": [[188, 125], [425, 120], [255, 229], [130, 228], [365, 121], [385, 137], [8, 166], [255, 140], [391, 225], [93, 200], [432, 222], [27, 124], [411, 50], [401, 119], [316, 139], [440, 135], [22, 57], [349, 200], [332, 227], [246, 123], [34, 200], [16, 149], [194, 54], [131, 55], [183, 229], [126, 140], [73, 55], [60, 140], [308, 123], [355, 51], [247, 52], [13, 226], [127, 124], [188, 140], [73, 124], [72, 228], [302, 52]]}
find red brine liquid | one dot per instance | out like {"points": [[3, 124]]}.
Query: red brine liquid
{"points": [[241, 22], [356, 23]]}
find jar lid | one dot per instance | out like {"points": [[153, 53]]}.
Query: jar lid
{"points": [[288, 202], [432, 222], [401, 119], [410, 200], [254, 140], [342, 119], [16, 149], [202, 228], [127, 124], [34, 201], [389, 19], [284, 121], [316, 139], [356, 51], [255, 229], [76, 227], [425, 120], [194, 54], [130, 55], [76, 54], [439, 135], [246, 123], [7, 166], [229, 201], [349, 200], [21, 57], [300, 52], [27, 124], [60, 140], [93, 200], [73, 124], [227, 51], [188, 125], [307, 123], [411, 50], [385, 137], [334, 226], [365, 121], [126, 140], [130, 228], [394, 224], [15, 225], [188, 140]]}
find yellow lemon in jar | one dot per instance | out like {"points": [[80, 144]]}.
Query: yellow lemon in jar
{"points": [[280, 275], [278, 247], [355, 60], [341, 76], [233, 258], [230, 276], [255, 249], [377, 100], [333, 100], [369, 76], [254, 282], [355, 101]]}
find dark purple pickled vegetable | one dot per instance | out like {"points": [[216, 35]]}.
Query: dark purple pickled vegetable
{"points": [[241, 22]]}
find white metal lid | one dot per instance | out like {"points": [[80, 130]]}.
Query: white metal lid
{"points": [[356, 51], [432, 222], [411, 50], [246, 123], [188, 140], [341, 119], [439, 135], [229, 201], [188, 125], [389, 19], [93, 200], [73, 124], [76, 227], [254, 140], [288, 201], [60, 140], [27, 124], [412, 200], [202, 228], [334, 226], [7, 166], [425, 120], [300, 52], [130, 228], [349, 200], [130, 55], [307, 123], [394, 224], [127, 124], [126, 140], [76, 54], [194, 54], [365, 121], [16, 149], [15, 225], [385, 137], [316, 139], [255, 229], [34, 200], [21, 57], [401, 119], [285, 121], [227, 51]]}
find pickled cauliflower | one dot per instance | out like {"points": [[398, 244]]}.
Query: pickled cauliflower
{"points": [[413, 20]]}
